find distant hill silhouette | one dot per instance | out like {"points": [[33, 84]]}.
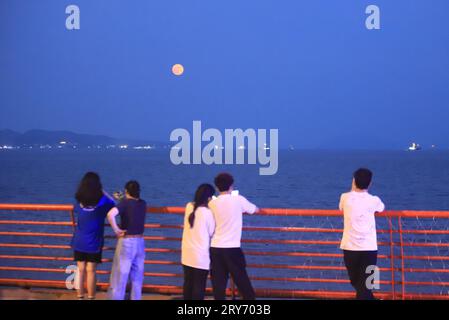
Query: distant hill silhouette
{"points": [[45, 137]]}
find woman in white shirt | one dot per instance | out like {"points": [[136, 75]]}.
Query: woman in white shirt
{"points": [[199, 226]]}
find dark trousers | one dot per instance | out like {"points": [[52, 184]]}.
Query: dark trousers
{"points": [[356, 263], [194, 283], [225, 261]]}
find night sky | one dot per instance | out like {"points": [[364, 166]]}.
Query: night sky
{"points": [[308, 68]]}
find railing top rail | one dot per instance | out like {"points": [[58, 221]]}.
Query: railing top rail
{"points": [[264, 211]]}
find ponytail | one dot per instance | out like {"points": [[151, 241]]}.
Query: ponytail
{"points": [[202, 196], [192, 215]]}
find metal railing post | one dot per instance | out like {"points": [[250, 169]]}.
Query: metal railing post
{"points": [[393, 284], [402, 259]]}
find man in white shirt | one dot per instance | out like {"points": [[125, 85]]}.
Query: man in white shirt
{"points": [[225, 252], [359, 242]]}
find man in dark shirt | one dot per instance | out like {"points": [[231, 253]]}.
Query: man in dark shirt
{"points": [[129, 255]]}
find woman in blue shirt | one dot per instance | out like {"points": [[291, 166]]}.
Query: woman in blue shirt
{"points": [[91, 209]]}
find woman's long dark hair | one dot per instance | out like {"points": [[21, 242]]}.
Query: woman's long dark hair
{"points": [[89, 190], [202, 196]]}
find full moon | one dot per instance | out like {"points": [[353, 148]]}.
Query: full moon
{"points": [[177, 69]]}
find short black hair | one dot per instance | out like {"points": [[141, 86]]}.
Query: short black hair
{"points": [[133, 189], [362, 178], [223, 181]]}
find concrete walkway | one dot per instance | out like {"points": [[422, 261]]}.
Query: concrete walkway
{"points": [[12, 293]]}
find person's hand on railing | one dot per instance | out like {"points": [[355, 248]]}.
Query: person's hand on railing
{"points": [[255, 211]]}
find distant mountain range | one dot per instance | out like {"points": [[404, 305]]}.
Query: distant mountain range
{"points": [[68, 138]]}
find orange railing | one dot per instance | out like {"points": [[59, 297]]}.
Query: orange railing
{"points": [[293, 253]]}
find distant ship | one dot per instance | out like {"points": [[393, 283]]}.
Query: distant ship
{"points": [[414, 147]]}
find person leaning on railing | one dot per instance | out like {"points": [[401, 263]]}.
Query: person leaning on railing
{"points": [[199, 226], [225, 253], [129, 258], [91, 209], [359, 242]]}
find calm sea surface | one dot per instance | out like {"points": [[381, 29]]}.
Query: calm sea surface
{"points": [[306, 179]]}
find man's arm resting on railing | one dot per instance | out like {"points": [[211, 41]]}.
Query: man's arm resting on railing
{"points": [[248, 207], [380, 205]]}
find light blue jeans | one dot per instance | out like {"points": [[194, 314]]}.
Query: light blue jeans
{"points": [[128, 263]]}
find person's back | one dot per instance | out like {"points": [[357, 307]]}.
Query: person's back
{"points": [[129, 257], [228, 210], [132, 215], [199, 225], [359, 210], [196, 239], [359, 241], [89, 230], [91, 208], [225, 253]]}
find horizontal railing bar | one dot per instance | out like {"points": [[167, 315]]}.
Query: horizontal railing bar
{"points": [[30, 222], [168, 262], [271, 241], [252, 253], [56, 270], [35, 234], [247, 228], [35, 207], [265, 211], [177, 275]]}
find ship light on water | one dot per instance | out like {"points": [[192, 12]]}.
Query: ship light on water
{"points": [[414, 147], [123, 146]]}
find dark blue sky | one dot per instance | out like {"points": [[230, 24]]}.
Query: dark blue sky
{"points": [[309, 68]]}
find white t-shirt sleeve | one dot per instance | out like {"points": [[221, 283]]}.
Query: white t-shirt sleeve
{"points": [[379, 206], [341, 204], [210, 224], [247, 206]]}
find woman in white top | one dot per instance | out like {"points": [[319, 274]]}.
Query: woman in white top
{"points": [[199, 226]]}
